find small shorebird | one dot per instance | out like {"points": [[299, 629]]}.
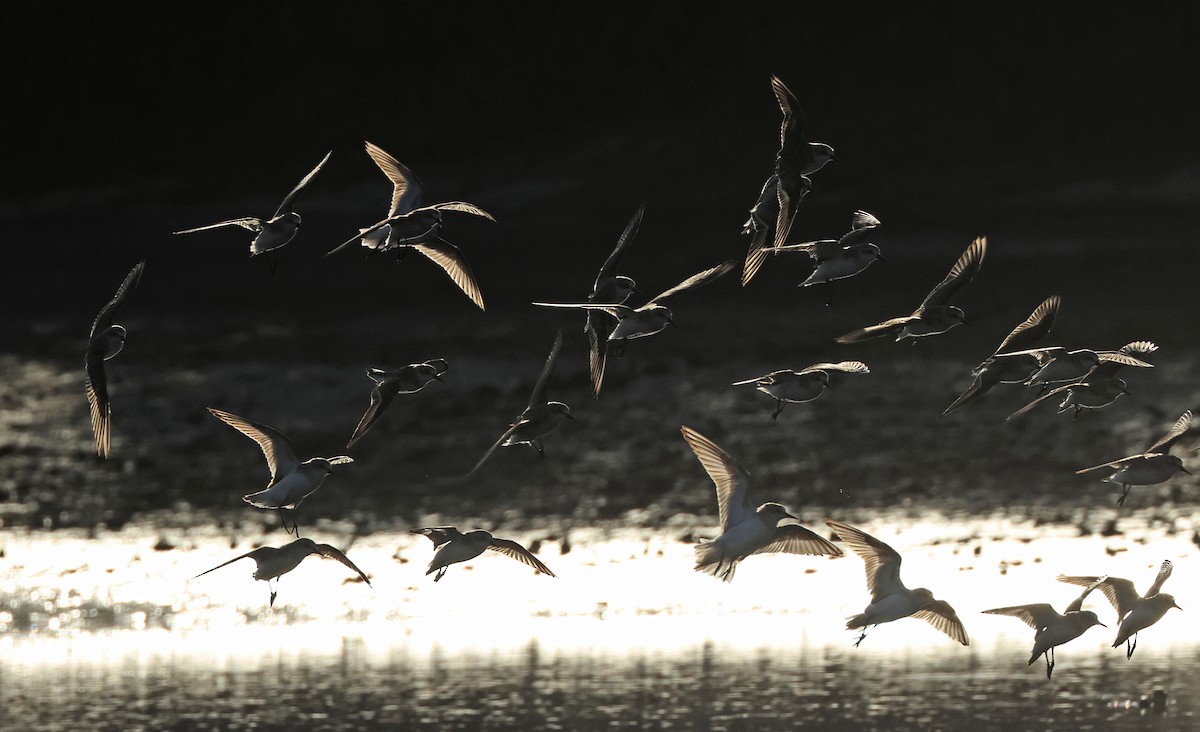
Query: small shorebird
{"points": [[276, 231], [1061, 366], [797, 157], [291, 480], [1053, 629], [1100, 386], [453, 547], [936, 314], [408, 225], [890, 599], [540, 417], [271, 562], [1155, 465], [1011, 367], [609, 289], [761, 226], [786, 385], [837, 259], [105, 340], [649, 318], [1135, 613], [404, 380], [745, 530]]}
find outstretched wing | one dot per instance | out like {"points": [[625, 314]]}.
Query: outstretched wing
{"points": [[1119, 592], [697, 280], [451, 260], [627, 236], [940, 615], [374, 411], [1163, 573], [1112, 464], [1034, 327], [105, 317], [731, 480], [1183, 424], [96, 383], [1036, 616], [1048, 395], [597, 353], [256, 555], [511, 429], [462, 207], [329, 552], [881, 561], [539, 389], [887, 327], [291, 197], [793, 115], [963, 271], [251, 223], [514, 550], [795, 539], [406, 188], [276, 447], [849, 367]]}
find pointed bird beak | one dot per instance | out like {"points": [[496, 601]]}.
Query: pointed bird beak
{"points": [[880, 258], [1102, 625], [1186, 470], [568, 416], [1176, 606]]}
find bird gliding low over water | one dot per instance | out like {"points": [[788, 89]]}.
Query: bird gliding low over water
{"points": [[1052, 628], [405, 380], [271, 562], [1135, 613], [453, 547], [1155, 465]]}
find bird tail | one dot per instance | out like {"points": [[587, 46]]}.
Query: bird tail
{"points": [[711, 560], [854, 622], [258, 499]]}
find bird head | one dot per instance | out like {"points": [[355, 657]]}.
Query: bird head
{"points": [[958, 315], [1091, 618], [774, 513], [561, 409]]}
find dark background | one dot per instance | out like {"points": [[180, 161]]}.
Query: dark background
{"points": [[1065, 132]]}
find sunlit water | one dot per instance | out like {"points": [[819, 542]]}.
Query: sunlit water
{"points": [[109, 632]]}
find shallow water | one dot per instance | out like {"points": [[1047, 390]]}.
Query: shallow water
{"points": [[108, 632]]}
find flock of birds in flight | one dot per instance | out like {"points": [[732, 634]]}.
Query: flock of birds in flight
{"points": [[1081, 379]]}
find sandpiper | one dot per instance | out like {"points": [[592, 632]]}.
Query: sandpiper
{"points": [[890, 599], [291, 480], [1052, 628], [404, 380], [796, 159], [796, 387], [1100, 386], [745, 530], [105, 340], [1155, 465], [609, 289], [453, 547], [936, 314], [837, 259], [276, 231], [271, 562]]}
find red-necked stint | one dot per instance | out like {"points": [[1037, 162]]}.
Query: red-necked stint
{"points": [[745, 530], [404, 380], [1011, 367], [651, 317], [796, 387], [936, 314], [837, 259], [276, 231], [408, 225], [1155, 465], [105, 340], [453, 547], [291, 480], [1100, 386], [540, 417], [1052, 628], [890, 599], [271, 562], [610, 288], [1135, 613]]}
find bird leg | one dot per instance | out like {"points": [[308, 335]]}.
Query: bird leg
{"points": [[778, 408], [1124, 492], [862, 637], [1049, 655], [441, 571], [537, 445], [1075, 416], [828, 293], [1130, 649], [274, 591]]}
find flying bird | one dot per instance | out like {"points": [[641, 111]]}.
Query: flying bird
{"points": [[1061, 366], [408, 225], [935, 315], [1004, 367], [745, 530], [649, 318], [1100, 386], [837, 259], [1052, 628], [1135, 613], [786, 385], [271, 562], [1155, 465], [797, 157], [453, 547], [609, 289], [291, 480], [105, 341], [276, 231], [890, 599], [540, 417], [761, 226], [404, 380]]}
